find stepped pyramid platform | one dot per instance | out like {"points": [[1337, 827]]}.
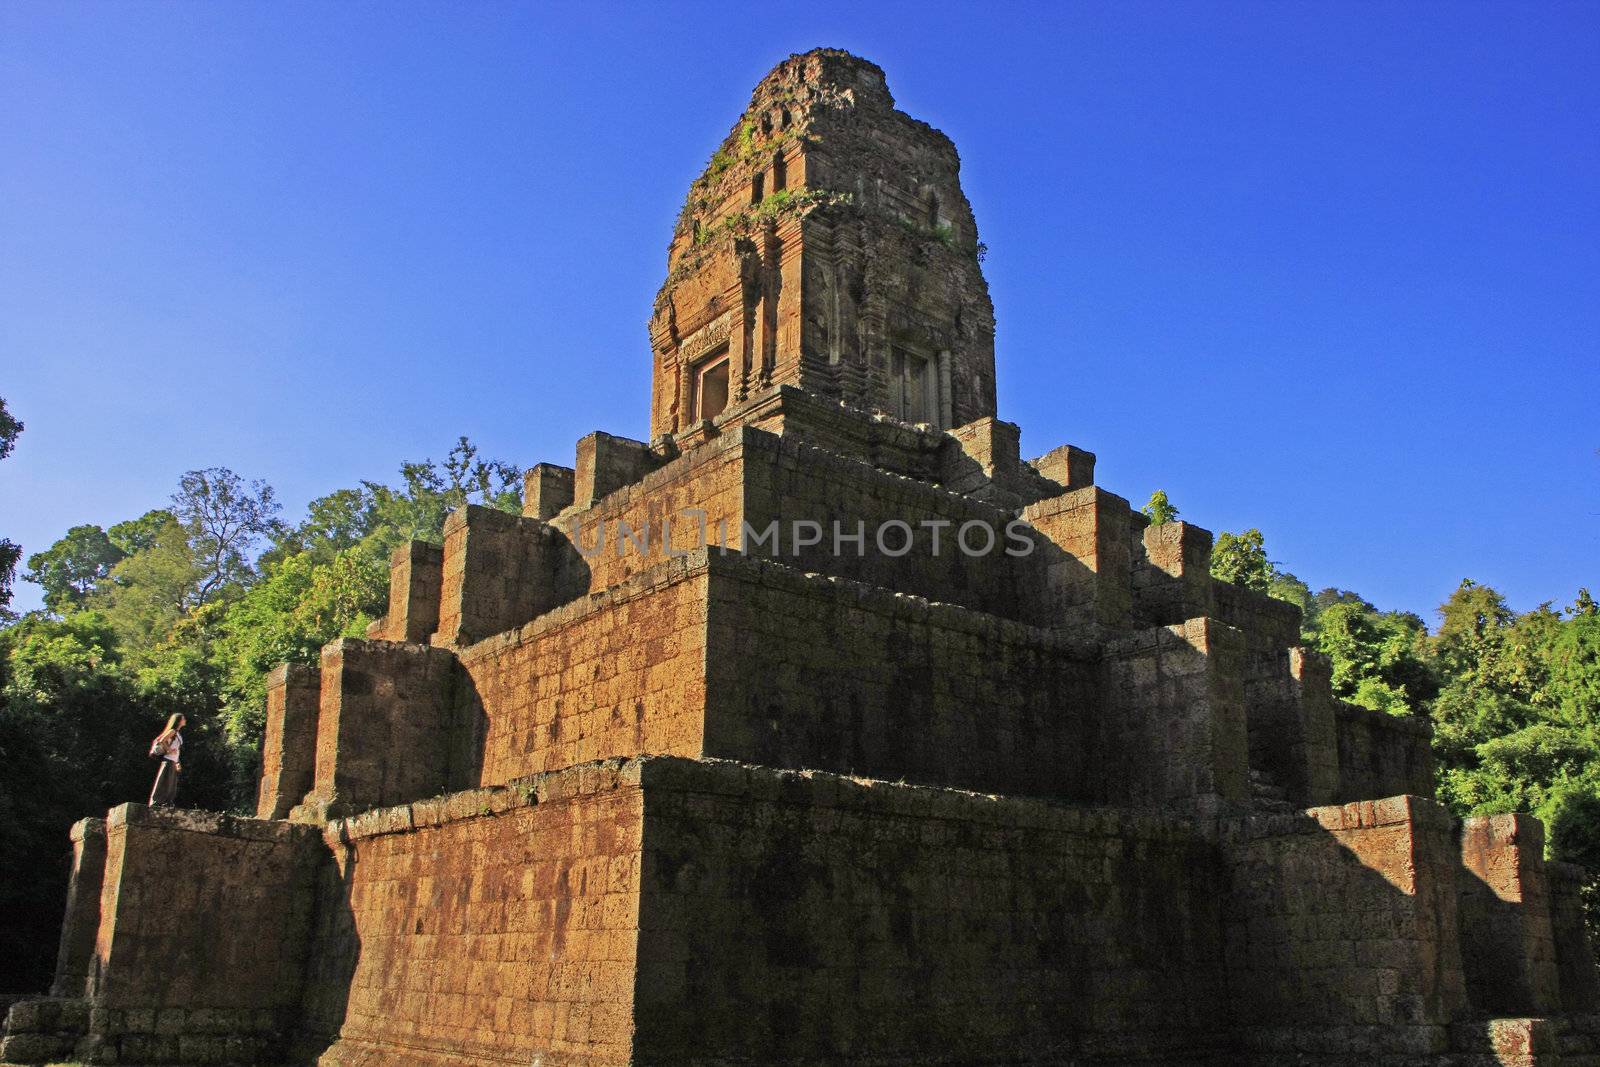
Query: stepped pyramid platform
{"points": [[821, 728]]}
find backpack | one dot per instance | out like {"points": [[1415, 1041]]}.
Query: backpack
{"points": [[158, 748]]}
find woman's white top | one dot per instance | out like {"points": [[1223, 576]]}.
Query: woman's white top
{"points": [[174, 746]]}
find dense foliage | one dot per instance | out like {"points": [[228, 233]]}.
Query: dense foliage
{"points": [[184, 608]]}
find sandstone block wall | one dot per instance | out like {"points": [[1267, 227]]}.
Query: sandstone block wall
{"points": [[985, 448], [1507, 943], [1172, 729], [1341, 930], [499, 571], [1171, 576], [386, 726], [75, 961], [1381, 754], [955, 550], [663, 910], [1293, 731], [1088, 584], [734, 657], [751, 476], [983, 459], [896, 447], [1067, 465], [289, 747], [1575, 956], [547, 490], [201, 937], [805, 671], [709, 479], [606, 463], [792, 918], [1270, 623], [616, 674], [488, 927], [1313, 745], [416, 574]]}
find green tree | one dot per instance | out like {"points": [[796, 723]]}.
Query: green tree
{"points": [[1286, 587], [10, 430], [69, 570], [1517, 719], [149, 591], [1377, 656], [1159, 510], [299, 606], [332, 524], [1242, 559], [328, 576], [224, 518], [1572, 680], [136, 535], [433, 489], [10, 551]]}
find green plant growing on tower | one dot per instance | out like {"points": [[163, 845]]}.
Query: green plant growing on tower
{"points": [[1159, 510], [1242, 559]]}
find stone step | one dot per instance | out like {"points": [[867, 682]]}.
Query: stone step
{"points": [[1264, 787]]}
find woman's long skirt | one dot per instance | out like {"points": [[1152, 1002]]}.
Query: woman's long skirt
{"points": [[166, 785]]}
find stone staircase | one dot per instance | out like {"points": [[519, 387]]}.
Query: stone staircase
{"points": [[1267, 797]]}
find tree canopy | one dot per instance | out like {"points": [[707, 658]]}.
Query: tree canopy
{"points": [[69, 570]]}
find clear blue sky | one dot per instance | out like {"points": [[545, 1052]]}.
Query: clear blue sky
{"points": [[1329, 270]]}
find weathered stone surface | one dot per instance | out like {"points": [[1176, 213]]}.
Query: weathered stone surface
{"points": [[1171, 572], [828, 245], [606, 463], [804, 918], [1507, 942], [1172, 722], [79, 929], [1575, 955], [200, 930], [1381, 754], [1342, 926], [386, 726], [497, 572], [416, 574], [1066, 465], [288, 751], [547, 490]]}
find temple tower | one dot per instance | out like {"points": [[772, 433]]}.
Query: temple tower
{"points": [[828, 246]]}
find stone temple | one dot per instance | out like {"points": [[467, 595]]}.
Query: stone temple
{"points": [[821, 728]]}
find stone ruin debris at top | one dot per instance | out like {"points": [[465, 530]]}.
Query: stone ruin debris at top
{"points": [[785, 803]]}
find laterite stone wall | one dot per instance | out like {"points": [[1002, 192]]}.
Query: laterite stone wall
{"points": [[611, 675], [794, 918], [488, 927], [807, 671]]}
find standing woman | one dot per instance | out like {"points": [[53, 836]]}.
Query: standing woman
{"points": [[169, 746]]}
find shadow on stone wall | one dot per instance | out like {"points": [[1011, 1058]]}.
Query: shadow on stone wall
{"points": [[331, 963], [1387, 928], [470, 729]]}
